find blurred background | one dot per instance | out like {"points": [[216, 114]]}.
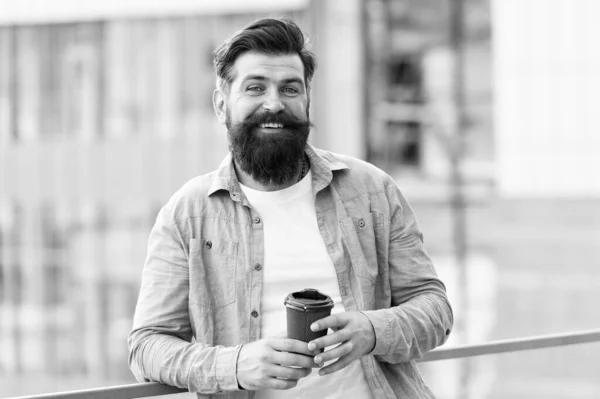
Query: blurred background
{"points": [[484, 111]]}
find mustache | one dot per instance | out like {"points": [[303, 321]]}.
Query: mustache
{"points": [[288, 121]]}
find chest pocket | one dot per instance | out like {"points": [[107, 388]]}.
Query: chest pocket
{"points": [[360, 236], [212, 272]]}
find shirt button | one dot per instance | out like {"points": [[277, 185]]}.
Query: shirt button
{"points": [[257, 267], [208, 244], [254, 314], [256, 220], [361, 222]]}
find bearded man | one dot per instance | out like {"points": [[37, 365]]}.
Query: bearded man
{"points": [[278, 216]]}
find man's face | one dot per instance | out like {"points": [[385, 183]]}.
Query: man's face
{"points": [[266, 114]]}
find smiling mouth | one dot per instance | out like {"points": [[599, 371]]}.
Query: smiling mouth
{"points": [[271, 126]]}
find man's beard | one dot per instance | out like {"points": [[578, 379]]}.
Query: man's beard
{"points": [[269, 158]]}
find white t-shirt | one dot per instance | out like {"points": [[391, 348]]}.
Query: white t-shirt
{"points": [[295, 258]]}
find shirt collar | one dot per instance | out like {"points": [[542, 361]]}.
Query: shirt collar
{"points": [[322, 165]]}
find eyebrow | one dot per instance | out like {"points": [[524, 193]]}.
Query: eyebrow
{"points": [[264, 79]]}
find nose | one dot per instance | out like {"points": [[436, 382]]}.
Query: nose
{"points": [[273, 103]]}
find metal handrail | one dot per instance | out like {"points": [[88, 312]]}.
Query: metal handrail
{"points": [[493, 347], [131, 391], [513, 345]]}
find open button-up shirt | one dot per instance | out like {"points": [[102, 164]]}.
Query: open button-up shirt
{"points": [[201, 285]]}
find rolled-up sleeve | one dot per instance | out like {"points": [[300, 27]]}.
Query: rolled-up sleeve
{"points": [[420, 317], [160, 342]]}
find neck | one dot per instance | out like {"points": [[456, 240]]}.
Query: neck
{"points": [[247, 180]]}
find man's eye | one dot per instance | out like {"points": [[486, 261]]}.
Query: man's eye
{"points": [[290, 90], [256, 89]]}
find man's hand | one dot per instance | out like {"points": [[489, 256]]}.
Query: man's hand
{"points": [[273, 363], [353, 332]]}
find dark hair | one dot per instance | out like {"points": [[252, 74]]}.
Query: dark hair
{"points": [[269, 36]]}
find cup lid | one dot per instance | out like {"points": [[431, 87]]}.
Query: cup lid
{"points": [[308, 299]]}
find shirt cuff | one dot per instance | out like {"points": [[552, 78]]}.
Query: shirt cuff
{"points": [[226, 370], [383, 331]]}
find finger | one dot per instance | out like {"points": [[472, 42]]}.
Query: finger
{"points": [[293, 359], [333, 321], [279, 335], [337, 365], [288, 373], [290, 345], [276, 383], [338, 351], [328, 340]]}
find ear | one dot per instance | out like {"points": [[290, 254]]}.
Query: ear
{"points": [[220, 105]]}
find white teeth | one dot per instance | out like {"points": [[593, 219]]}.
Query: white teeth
{"points": [[271, 125]]}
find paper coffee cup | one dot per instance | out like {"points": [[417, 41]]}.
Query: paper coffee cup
{"points": [[304, 308]]}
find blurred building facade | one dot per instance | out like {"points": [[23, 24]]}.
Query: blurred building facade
{"points": [[102, 117], [105, 110], [411, 103], [105, 113], [547, 84]]}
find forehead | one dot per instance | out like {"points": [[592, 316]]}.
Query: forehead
{"points": [[271, 67]]}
